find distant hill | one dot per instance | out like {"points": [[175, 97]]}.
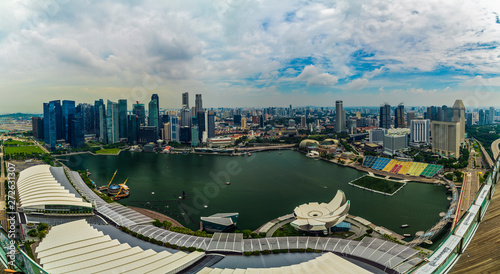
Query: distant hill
{"points": [[21, 115]]}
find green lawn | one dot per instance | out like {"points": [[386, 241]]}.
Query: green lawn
{"points": [[22, 149], [17, 143], [108, 151], [378, 184]]}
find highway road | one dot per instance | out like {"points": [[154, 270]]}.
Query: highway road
{"points": [[494, 148]]}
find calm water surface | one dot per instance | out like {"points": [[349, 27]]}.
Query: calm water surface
{"points": [[263, 187]]}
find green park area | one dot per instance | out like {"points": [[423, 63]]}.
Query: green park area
{"points": [[378, 184], [108, 151], [16, 143], [22, 150]]}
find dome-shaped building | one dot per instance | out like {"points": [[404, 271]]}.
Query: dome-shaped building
{"points": [[308, 143]]}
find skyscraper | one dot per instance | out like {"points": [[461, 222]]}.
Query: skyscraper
{"points": [[385, 116], [52, 118], [198, 104], [339, 116], [482, 117], [140, 111], [459, 116], [153, 117], [123, 119], [174, 123], [409, 117], [37, 127], [103, 128], [492, 115], [68, 113], [211, 124], [133, 129], [76, 136], [112, 122], [88, 113], [97, 121], [399, 116], [185, 100]]}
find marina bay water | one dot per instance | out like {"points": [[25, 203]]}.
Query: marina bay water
{"points": [[262, 187]]}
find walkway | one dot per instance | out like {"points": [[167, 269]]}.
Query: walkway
{"points": [[483, 253], [494, 148]]}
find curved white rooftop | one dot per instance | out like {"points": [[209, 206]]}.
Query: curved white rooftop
{"points": [[37, 187], [319, 217], [77, 247]]}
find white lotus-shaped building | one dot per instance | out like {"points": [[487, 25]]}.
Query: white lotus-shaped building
{"points": [[315, 217]]}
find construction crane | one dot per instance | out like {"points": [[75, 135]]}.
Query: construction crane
{"points": [[122, 186], [106, 187], [112, 178]]}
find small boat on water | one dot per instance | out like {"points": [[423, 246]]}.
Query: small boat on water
{"points": [[404, 226], [228, 183], [407, 235]]}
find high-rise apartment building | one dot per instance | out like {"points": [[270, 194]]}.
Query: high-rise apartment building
{"points": [[385, 116], [410, 115], [399, 116], [420, 131]]}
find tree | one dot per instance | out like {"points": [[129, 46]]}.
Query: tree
{"points": [[167, 224], [246, 233]]}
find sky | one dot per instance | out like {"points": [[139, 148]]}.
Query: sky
{"points": [[250, 53]]}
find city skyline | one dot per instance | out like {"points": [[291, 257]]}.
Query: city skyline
{"points": [[250, 54]]}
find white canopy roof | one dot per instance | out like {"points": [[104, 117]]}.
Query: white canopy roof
{"points": [[37, 187], [77, 247]]}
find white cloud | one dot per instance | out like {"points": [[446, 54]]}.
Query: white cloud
{"points": [[311, 75], [199, 44], [481, 81], [357, 84]]}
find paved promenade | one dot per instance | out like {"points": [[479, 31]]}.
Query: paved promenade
{"points": [[483, 253]]}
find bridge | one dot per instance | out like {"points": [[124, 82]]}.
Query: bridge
{"points": [[448, 217], [264, 148]]}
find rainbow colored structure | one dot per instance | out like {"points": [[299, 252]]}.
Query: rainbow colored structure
{"points": [[399, 167]]}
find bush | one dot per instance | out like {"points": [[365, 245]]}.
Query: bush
{"points": [[309, 249], [276, 251], [266, 252], [318, 250], [192, 249], [33, 233], [167, 224], [174, 246], [146, 238], [256, 252], [42, 226], [255, 236], [294, 250], [167, 244], [369, 230], [157, 223], [183, 248], [200, 250], [284, 250], [247, 253], [301, 250], [152, 240], [134, 234]]}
